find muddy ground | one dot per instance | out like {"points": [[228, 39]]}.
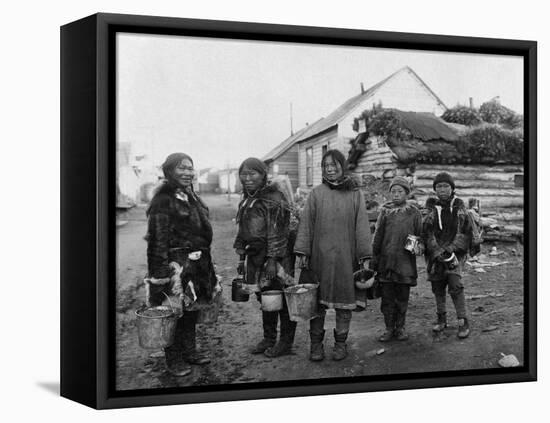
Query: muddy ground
{"points": [[495, 303]]}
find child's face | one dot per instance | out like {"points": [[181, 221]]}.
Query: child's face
{"points": [[398, 194], [443, 190]]}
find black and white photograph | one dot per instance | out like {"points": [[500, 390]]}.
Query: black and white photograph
{"points": [[275, 211], [294, 211]]}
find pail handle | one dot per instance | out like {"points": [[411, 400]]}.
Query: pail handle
{"points": [[169, 302]]}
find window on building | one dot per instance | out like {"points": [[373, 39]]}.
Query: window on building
{"points": [[324, 149], [309, 166]]}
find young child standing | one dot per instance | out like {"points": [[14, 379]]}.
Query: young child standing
{"points": [[396, 266]]}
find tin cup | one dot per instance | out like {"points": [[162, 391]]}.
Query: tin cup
{"points": [[411, 244]]}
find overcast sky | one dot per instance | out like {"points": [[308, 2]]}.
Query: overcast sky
{"points": [[221, 101]]}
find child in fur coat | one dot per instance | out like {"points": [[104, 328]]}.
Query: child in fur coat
{"points": [[396, 266]]}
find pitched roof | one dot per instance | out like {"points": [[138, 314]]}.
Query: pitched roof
{"points": [[205, 170], [286, 144], [341, 112]]}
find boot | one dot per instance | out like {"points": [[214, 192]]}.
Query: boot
{"points": [[263, 345], [317, 352], [339, 351], [387, 335], [399, 332], [441, 322], [281, 347], [175, 365], [173, 354], [189, 341], [284, 345], [401, 335], [389, 320], [269, 320], [197, 358], [463, 328]]}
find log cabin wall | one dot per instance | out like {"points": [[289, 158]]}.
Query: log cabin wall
{"points": [[493, 186], [378, 160]]}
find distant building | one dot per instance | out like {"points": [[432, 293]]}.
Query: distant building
{"points": [[283, 159], [208, 180], [136, 176], [228, 180]]}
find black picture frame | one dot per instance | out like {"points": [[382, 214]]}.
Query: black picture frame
{"points": [[88, 197]]}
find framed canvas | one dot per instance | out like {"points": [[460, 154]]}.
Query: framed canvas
{"points": [[273, 123]]}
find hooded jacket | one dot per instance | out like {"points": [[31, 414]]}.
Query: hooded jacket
{"points": [[446, 229], [390, 259], [263, 221]]}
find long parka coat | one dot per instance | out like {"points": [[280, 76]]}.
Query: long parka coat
{"points": [[334, 232]]}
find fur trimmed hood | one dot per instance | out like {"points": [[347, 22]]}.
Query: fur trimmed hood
{"points": [[166, 193], [390, 207]]}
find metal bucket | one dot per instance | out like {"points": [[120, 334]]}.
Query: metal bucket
{"points": [[208, 313], [238, 294], [272, 300], [302, 302], [156, 326]]}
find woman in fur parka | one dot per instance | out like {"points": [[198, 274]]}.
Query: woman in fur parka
{"points": [[178, 238], [262, 244]]}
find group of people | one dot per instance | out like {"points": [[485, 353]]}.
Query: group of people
{"points": [[332, 241]]}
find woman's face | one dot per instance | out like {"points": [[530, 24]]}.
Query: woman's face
{"points": [[251, 179], [332, 169], [398, 194], [184, 173]]}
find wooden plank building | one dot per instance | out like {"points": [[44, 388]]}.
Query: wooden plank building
{"points": [[283, 159], [403, 89], [299, 156]]}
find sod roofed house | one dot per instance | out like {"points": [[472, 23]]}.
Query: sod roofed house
{"points": [[486, 161], [403, 90], [301, 153]]}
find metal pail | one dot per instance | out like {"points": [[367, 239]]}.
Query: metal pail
{"points": [[238, 294], [156, 326], [208, 312], [302, 302], [272, 300]]}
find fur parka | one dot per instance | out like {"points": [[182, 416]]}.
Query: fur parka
{"points": [[178, 225]]}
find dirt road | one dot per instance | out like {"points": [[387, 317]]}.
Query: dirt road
{"points": [[495, 302]]}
